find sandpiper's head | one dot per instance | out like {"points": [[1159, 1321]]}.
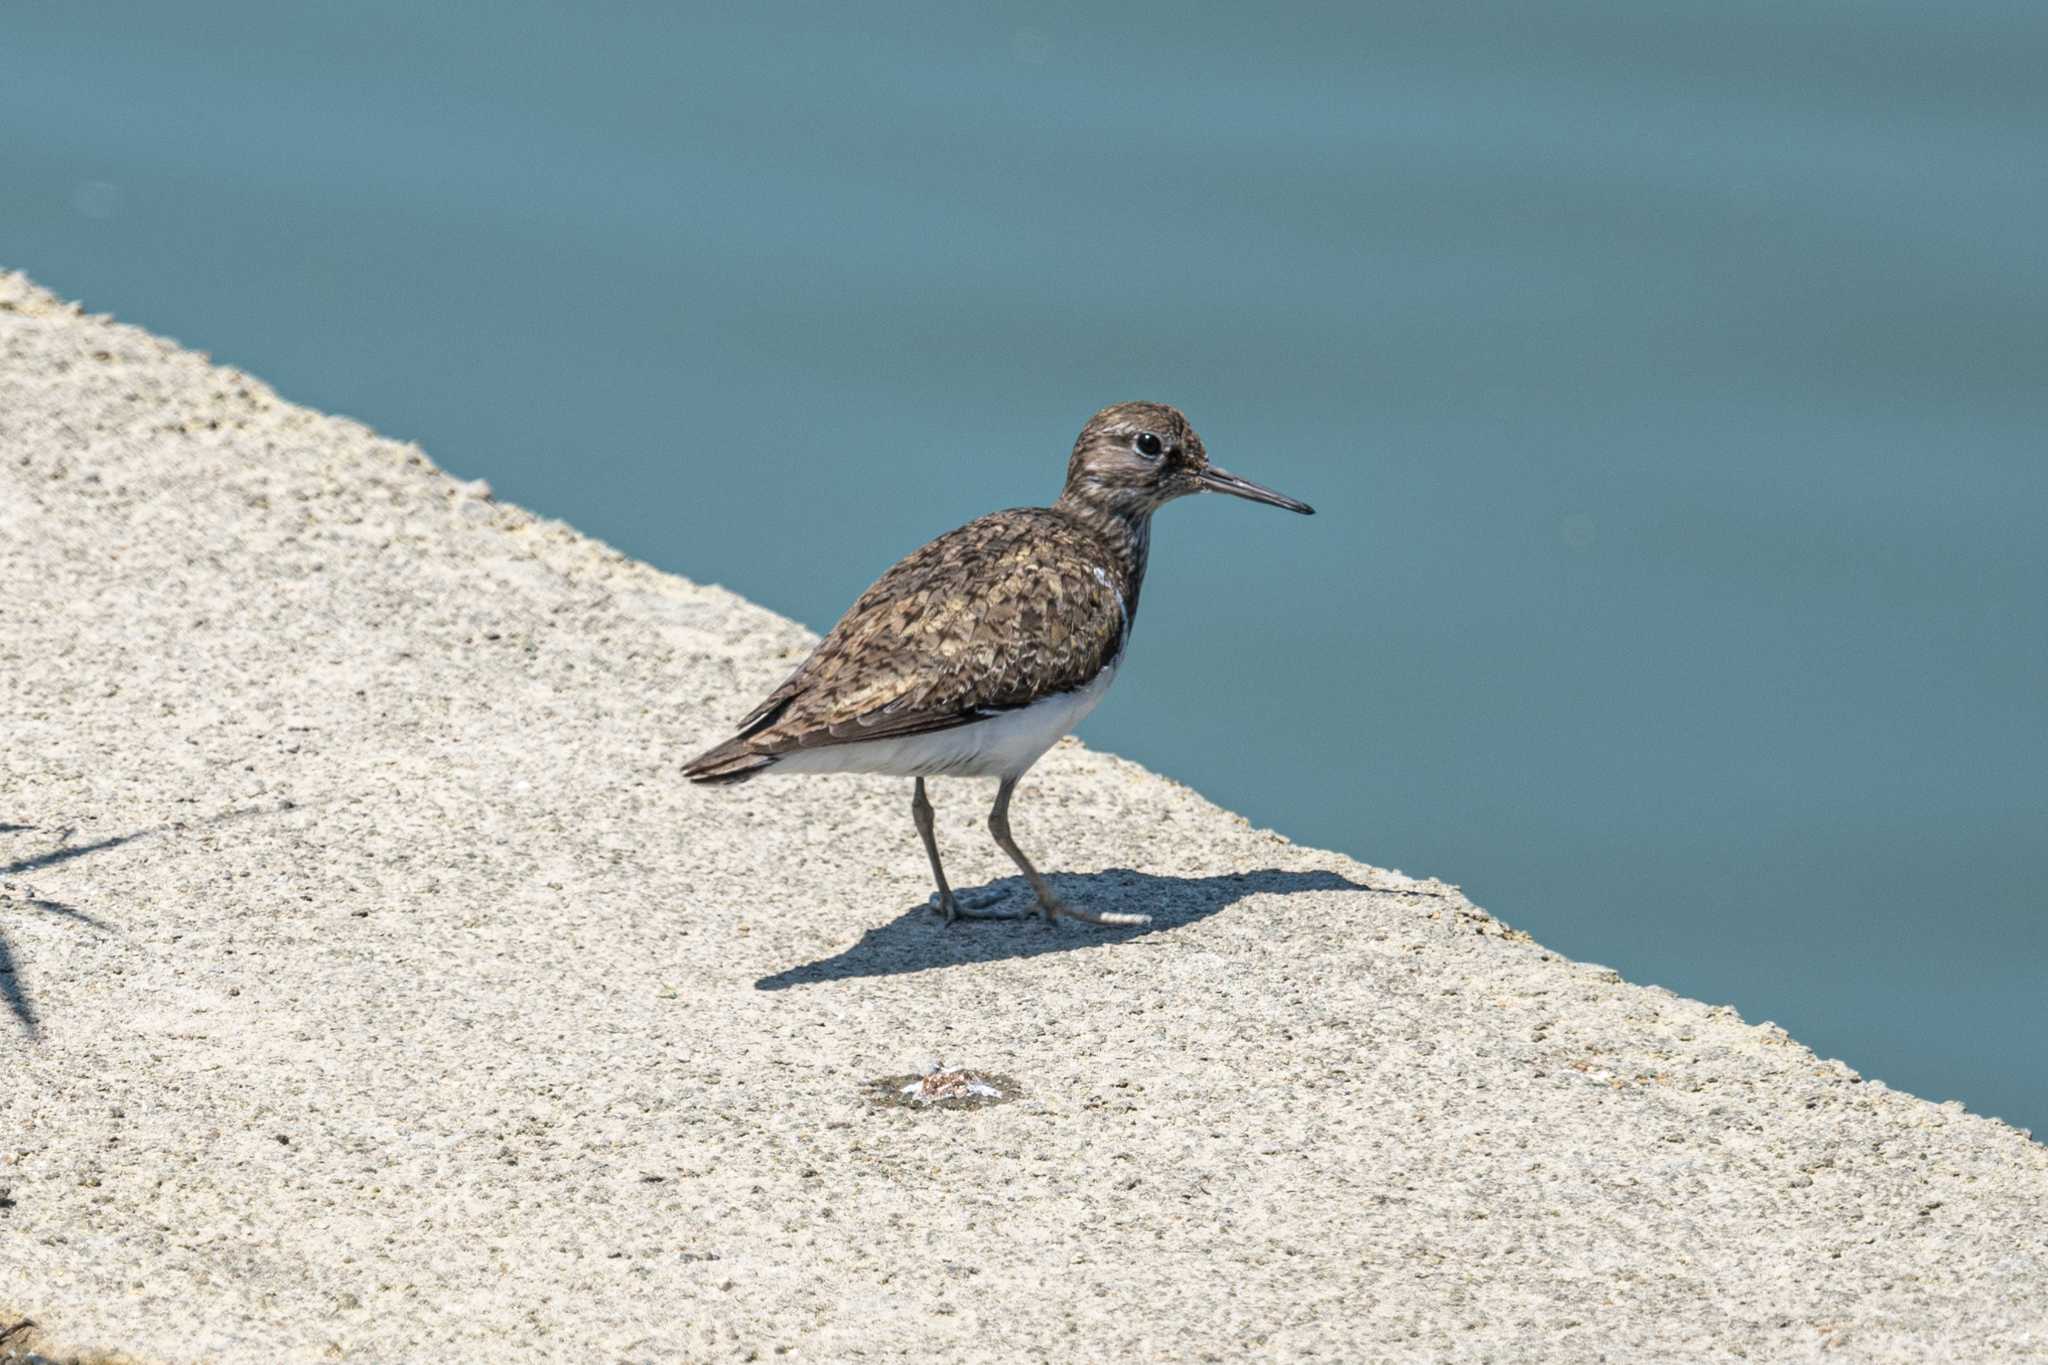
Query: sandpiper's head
{"points": [[1133, 457]]}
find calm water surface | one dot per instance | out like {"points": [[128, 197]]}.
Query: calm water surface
{"points": [[1672, 381]]}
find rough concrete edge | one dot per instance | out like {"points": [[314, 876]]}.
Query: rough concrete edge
{"points": [[22, 296]]}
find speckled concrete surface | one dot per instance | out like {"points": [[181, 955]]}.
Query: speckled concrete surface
{"points": [[371, 987]]}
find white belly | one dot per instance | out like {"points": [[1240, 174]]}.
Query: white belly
{"points": [[1004, 745]]}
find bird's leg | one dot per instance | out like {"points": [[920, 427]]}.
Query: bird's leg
{"points": [[921, 812], [1049, 905], [949, 905]]}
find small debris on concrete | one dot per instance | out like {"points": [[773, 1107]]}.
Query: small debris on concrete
{"points": [[950, 1085], [940, 1087]]}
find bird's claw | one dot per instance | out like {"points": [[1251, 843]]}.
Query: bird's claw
{"points": [[952, 906], [1115, 919]]}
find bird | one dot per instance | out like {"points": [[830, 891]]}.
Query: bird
{"points": [[973, 655]]}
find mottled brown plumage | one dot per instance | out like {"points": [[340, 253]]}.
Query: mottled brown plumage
{"points": [[1005, 630], [995, 615]]}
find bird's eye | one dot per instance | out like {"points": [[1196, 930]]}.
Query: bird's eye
{"points": [[1148, 445]]}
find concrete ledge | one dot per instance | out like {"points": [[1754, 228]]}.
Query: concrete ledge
{"points": [[371, 987]]}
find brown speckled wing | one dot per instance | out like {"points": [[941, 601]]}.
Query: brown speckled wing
{"points": [[1010, 608]]}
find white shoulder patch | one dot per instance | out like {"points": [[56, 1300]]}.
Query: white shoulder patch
{"points": [[1121, 609]]}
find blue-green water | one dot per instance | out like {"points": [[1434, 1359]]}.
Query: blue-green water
{"points": [[1672, 381]]}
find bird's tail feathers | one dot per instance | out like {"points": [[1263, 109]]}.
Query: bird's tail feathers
{"points": [[730, 762]]}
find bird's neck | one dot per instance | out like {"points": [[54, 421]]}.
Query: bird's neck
{"points": [[1125, 531]]}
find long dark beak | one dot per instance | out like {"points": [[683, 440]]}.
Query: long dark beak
{"points": [[1223, 481]]}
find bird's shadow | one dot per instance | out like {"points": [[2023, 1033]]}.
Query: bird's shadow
{"points": [[917, 940]]}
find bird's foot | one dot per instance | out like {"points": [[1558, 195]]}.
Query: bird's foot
{"points": [[1055, 910], [952, 906]]}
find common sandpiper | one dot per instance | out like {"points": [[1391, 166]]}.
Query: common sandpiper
{"points": [[974, 655]]}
